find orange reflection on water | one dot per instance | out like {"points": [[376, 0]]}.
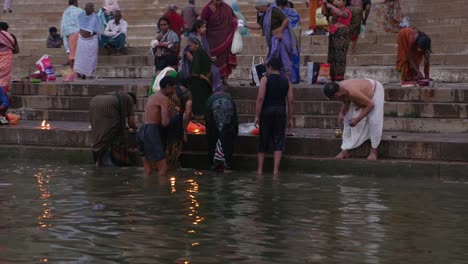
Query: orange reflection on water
{"points": [[173, 183], [43, 181]]}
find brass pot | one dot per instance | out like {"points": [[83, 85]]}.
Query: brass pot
{"points": [[338, 132]]}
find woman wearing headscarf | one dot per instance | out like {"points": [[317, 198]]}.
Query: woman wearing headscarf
{"points": [[278, 34], [220, 28], [201, 79], [221, 129]]}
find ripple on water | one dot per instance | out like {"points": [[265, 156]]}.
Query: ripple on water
{"points": [[77, 214]]}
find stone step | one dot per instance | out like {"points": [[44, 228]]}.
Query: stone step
{"points": [[353, 60], [329, 166], [406, 124], [301, 107], [305, 142], [385, 74], [447, 93]]}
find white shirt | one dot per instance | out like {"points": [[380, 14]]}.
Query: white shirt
{"points": [[113, 30]]}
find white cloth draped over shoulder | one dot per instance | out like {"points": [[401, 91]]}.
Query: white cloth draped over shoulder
{"points": [[370, 126], [86, 55]]}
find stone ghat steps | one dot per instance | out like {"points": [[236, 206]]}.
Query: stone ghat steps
{"points": [[304, 143], [442, 109], [407, 124], [301, 107], [441, 93], [385, 74], [243, 59]]}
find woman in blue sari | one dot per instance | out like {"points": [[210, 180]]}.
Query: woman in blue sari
{"points": [[278, 34], [295, 23]]}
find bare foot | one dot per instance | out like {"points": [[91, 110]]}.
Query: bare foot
{"points": [[343, 155], [372, 155]]}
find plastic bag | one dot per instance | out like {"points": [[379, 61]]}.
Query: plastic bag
{"points": [[324, 73], [236, 46], [258, 71], [248, 129], [44, 64], [195, 128]]}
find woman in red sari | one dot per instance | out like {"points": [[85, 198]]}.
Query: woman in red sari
{"points": [[220, 28]]}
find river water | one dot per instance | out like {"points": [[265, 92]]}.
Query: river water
{"points": [[79, 214]]}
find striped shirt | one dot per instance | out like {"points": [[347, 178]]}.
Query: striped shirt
{"points": [[69, 23]]}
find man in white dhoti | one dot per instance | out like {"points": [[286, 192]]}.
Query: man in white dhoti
{"points": [[88, 44], [362, 113]]}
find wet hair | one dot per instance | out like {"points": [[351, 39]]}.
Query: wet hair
{"points": [[4, 26], [168, 80], [52, 29], [133, 96], [275, 64], [330, 89], [423, 41], [171, 60], [290, 4], [71, 2], [198, 24], [163, 19]]}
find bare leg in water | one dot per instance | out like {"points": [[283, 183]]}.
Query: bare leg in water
{"points": [[277, 159], [261, 159]]}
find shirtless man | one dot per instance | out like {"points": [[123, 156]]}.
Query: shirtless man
{"points": [[149, 135], [361, 113]]}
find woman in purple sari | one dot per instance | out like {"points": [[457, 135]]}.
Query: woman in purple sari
{"points": [[220, 28], [279, 36]]}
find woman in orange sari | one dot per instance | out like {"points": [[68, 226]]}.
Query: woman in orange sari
{"points": [[8, 46], [413, 47], [220, 28]]}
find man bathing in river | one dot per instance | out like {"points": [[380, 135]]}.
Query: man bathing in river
{"points": [[361, 113]]}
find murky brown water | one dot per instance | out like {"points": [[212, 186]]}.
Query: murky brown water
{"points": [[72, 214]]}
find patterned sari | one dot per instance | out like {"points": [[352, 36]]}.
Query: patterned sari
{"points": [[221, 129], [295, 23], [7, 46], [388, 16], [173, 134]]}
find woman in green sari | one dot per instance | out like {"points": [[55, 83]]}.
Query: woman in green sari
{"points": [[200, 84]]}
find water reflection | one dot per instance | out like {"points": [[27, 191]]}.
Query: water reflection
{"points": [[116, 216], [43, 179]]}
